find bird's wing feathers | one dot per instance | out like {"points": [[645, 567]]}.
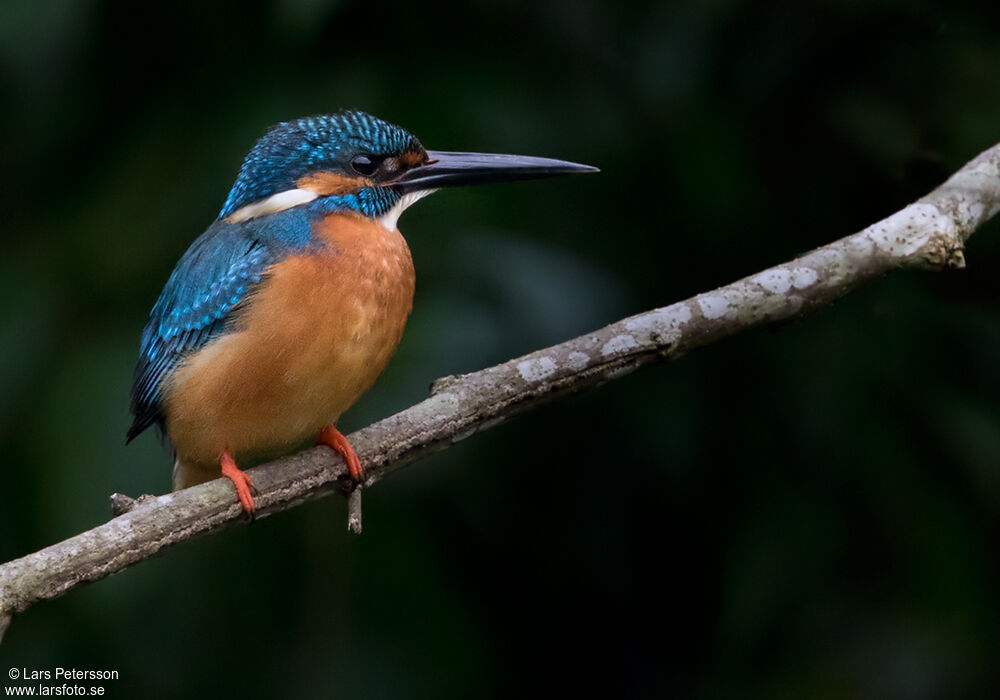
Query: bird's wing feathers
{"points": [[214, 276]]}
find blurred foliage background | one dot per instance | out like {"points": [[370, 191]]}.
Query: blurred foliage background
{"points": [[805, 511]]}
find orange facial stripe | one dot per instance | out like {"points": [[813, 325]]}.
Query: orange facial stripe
{"points": [[411, 159], [325, 183]]}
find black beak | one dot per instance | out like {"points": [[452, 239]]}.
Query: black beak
{"points": [[450, 169]]}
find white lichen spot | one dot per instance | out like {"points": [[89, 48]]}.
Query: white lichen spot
{"points": [[537, 369], [122, 527], [661, 322], [620, 343], [988, 168], [970, 212], [164, 501], [908, 230], [661, 326], [777, 281], [577, 360], [644, 323], [804, 277], [713, 306], [858, 246], [676, 314], [436, 407]]}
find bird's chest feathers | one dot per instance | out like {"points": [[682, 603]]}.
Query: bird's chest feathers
{"points": [[333, 316], [313, 337]]}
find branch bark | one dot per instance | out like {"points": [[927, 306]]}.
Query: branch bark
{"points": [[929, 233]]}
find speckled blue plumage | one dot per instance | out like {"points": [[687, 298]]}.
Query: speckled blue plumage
{"points": [[372, 202], [216, 273], [291, 149]]}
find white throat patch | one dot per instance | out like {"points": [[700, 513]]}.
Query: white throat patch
{"points": [[270, 205], [389, 219]]}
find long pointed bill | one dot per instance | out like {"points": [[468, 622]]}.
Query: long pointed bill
{"points": [[450, 169]]}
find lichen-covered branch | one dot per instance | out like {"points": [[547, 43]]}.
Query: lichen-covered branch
{"points": [[929, 233]]}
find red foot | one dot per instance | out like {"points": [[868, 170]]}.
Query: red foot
{"points": [[241, 480], [335, 440]]}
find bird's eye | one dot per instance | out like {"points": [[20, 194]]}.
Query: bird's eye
{"points": [[364, 165]]}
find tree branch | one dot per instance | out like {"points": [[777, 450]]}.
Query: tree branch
{"points": [[929, 233]]}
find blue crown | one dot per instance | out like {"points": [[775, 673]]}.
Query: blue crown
{"points": [[292, 149]]}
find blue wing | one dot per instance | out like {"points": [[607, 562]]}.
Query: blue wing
{"points": [[216, 274]]}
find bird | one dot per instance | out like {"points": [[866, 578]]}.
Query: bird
{"points": [[288, 307]]}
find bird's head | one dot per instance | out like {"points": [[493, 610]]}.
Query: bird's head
{"points": [[353, 162]]}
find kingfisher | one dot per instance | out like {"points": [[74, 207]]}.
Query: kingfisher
{"points": [[286, 309]]}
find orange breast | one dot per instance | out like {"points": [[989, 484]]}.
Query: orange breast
{"points": [[304, 347]]}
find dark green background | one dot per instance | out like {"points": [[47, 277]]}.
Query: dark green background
{"points": [[805, 511]]}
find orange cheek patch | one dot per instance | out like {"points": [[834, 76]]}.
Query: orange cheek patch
{"points": [[325, 183], [411, 159]]}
